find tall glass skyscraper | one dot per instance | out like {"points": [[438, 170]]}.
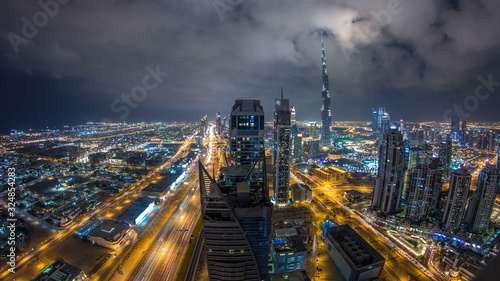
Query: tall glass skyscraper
{"points": [[483, 199], [236, 210], [282, 149], [326, 104], [236, 227], [457, 199], [424, 182], [246, 137], [389, 180]]}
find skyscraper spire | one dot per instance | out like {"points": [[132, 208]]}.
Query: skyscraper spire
{"points": [[326, 112]]}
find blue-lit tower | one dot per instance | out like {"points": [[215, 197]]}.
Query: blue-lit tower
{"points": [[455, 126], [246, 137], [326, 104]]}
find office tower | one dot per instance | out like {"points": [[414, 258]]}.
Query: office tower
{"points": [[313, 130], [297, 144], [282, 143], [236, 225], [416, 136], [218, 123], [389, 180], [464, 138], [246, 136], [326, 112], [377, 119], [483, 199], [424, 182], [457, 199], [444, 154], [374, 120], [455, 126], [313, 148], [204, 126], [411, 160], [293, 118], [498, 152], [385, 122]]}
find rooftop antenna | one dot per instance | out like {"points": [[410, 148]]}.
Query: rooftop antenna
{"points": [[281, 92]]}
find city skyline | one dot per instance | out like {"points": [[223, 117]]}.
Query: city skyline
{"points": [[60, 67]]}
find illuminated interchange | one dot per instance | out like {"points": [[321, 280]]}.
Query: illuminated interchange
{"points": [[239, 198]]}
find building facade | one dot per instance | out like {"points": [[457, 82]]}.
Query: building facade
{"points": [[389, 181], [483, 200], [282, 150], [326, 104], [425, 185], [246, 137], [236, 226]]}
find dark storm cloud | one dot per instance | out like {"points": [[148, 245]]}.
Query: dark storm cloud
{"points": [[379, 53]]}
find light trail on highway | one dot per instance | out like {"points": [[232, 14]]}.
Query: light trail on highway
{"points": [[163, 258]]}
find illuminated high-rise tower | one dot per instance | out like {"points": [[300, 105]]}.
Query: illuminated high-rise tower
{"points": [[326, 111], [282, 120], [424, 182], [246, 136], [455, 126], [389, 181], [218, 123], [444, 154], [457, 199], [481, 203]]}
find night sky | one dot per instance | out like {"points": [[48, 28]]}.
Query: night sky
{"points": [[69, 63]]}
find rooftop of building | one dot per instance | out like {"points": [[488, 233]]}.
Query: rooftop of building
{"points": [[289, 244], [247, 106], [358, 251], [109, 230], [301, 186], [59, 270], [330, 170]]}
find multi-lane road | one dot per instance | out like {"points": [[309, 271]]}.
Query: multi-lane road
{"points": [[398, 266], [44, 254]]}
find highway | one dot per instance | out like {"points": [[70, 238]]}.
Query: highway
{"points": [[398, 266], [164, 256]]}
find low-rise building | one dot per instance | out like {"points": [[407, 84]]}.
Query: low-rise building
{"points": [[330, 175], [61, 271], [301, 193], [112, 234], [355, 258], [353, 195]]}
